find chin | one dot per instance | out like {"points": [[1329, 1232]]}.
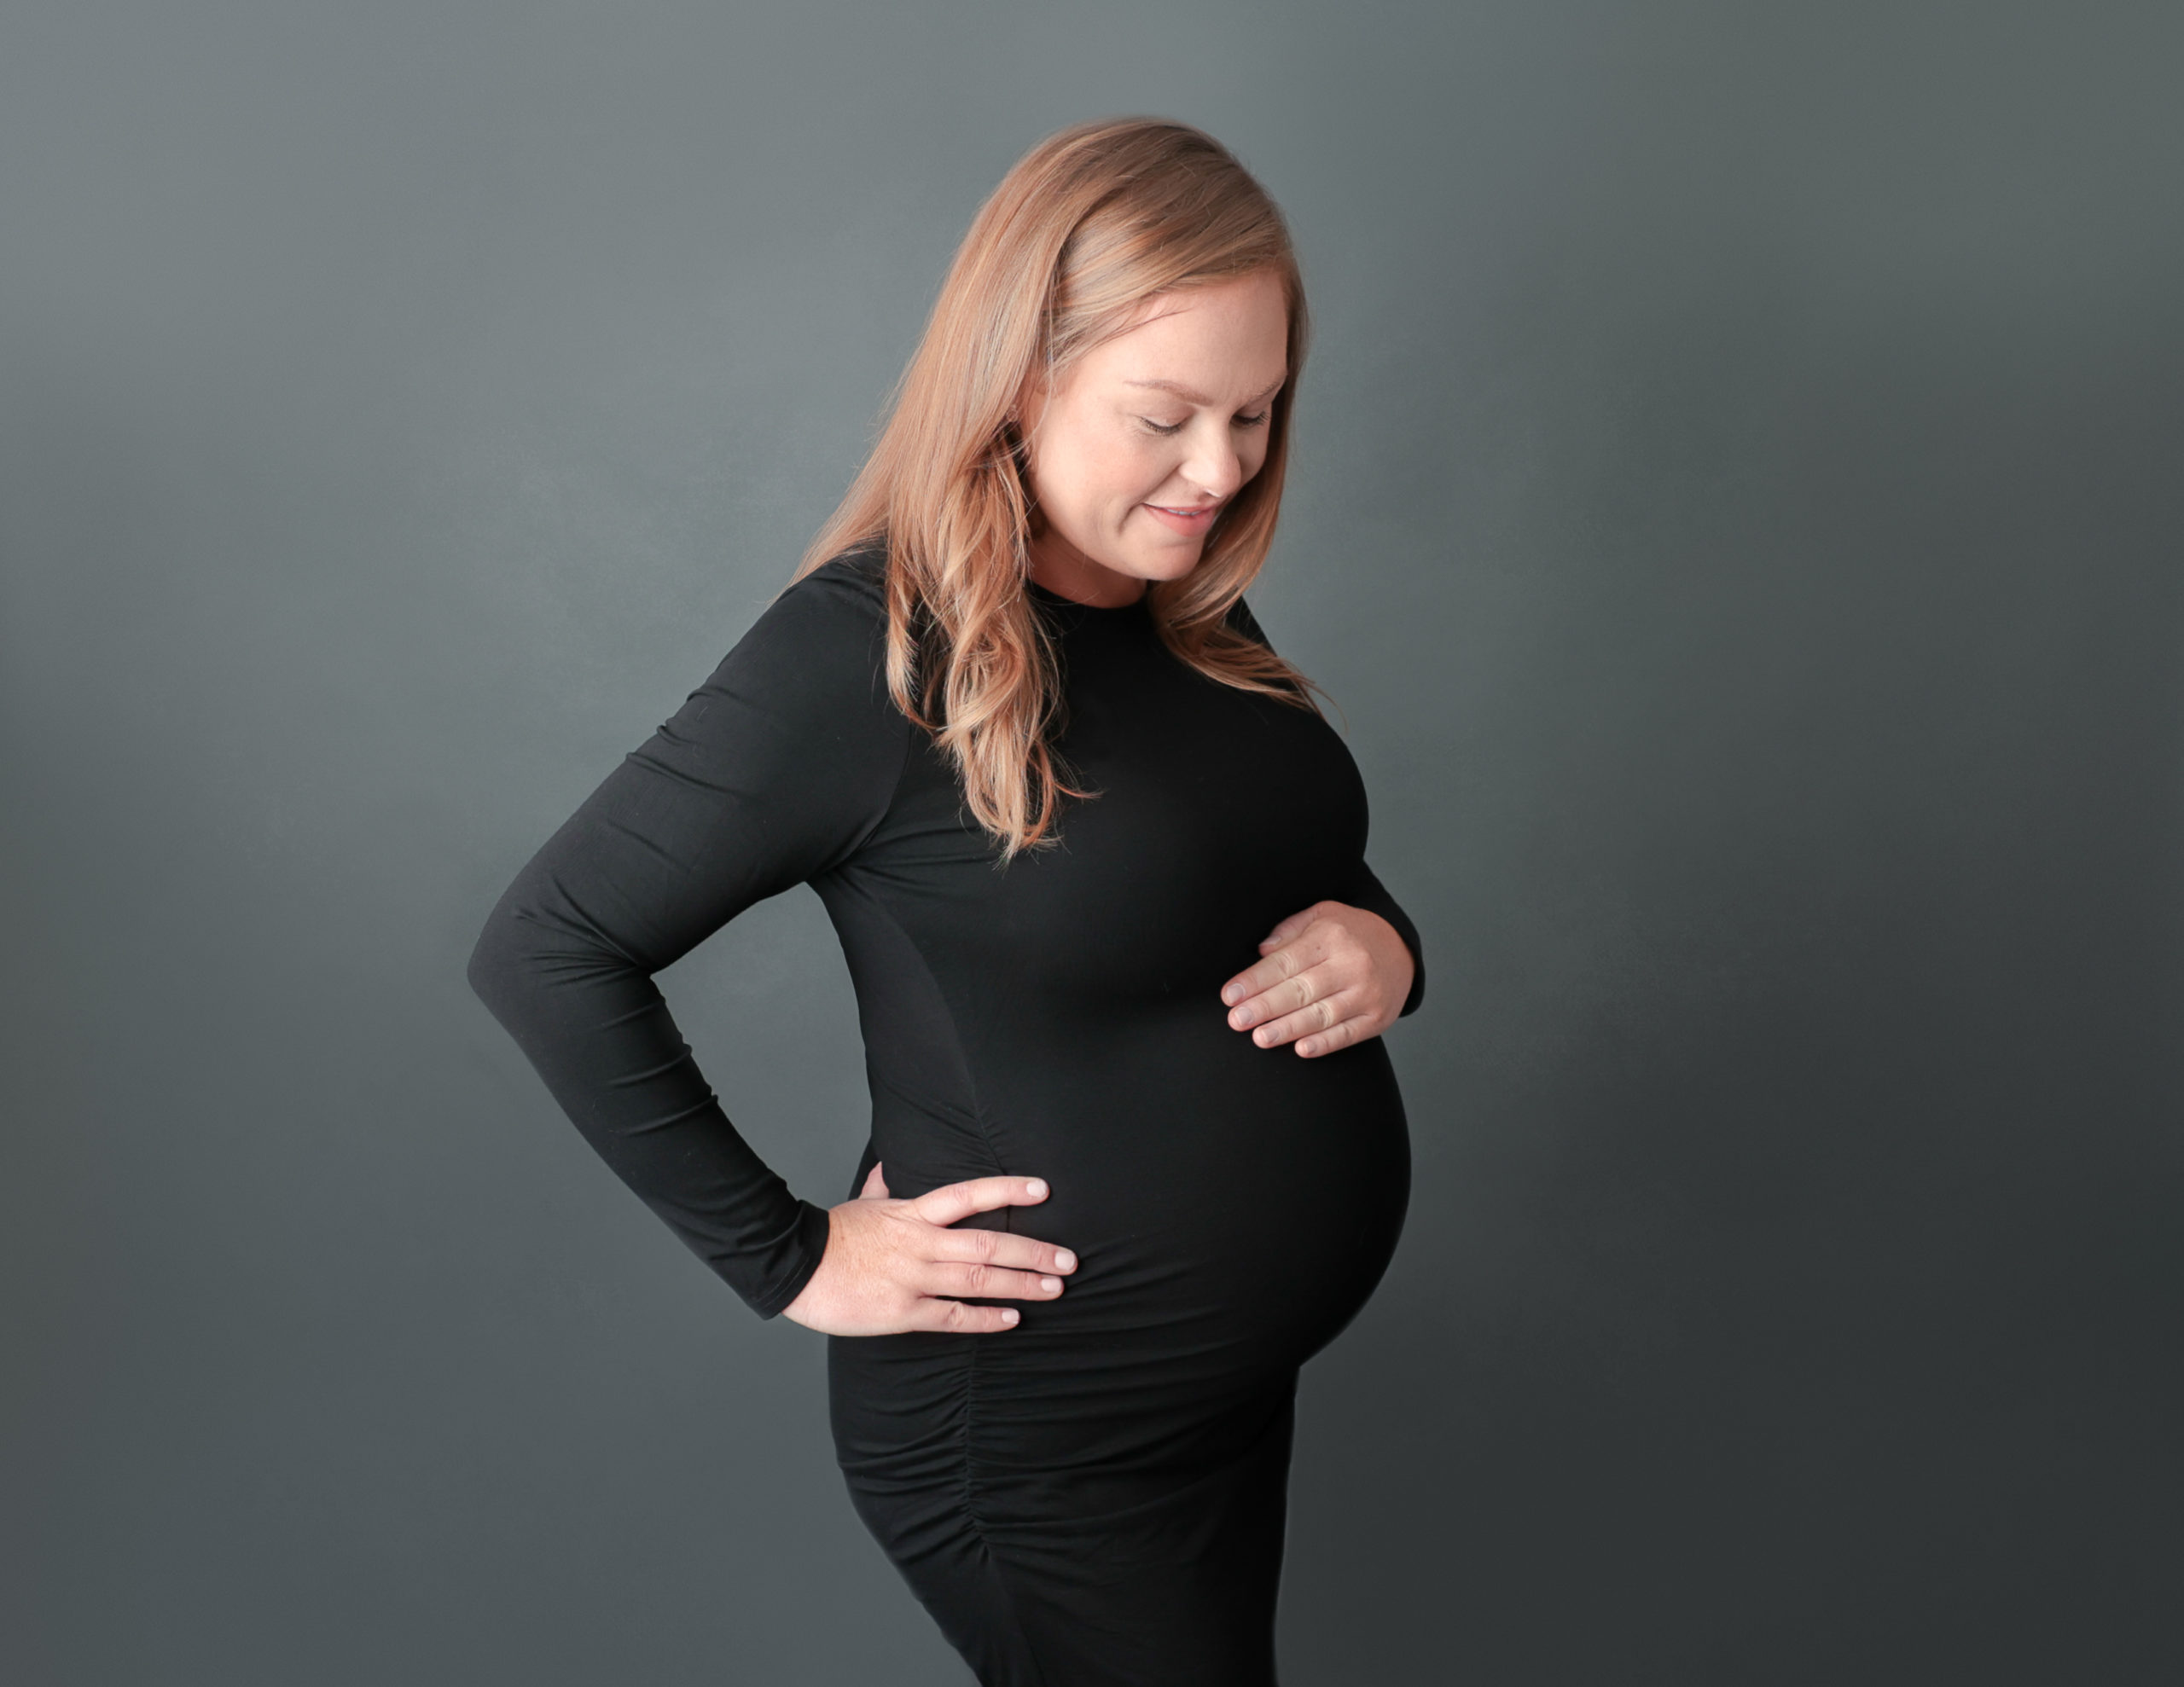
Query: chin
{"points": [[1173, 566]]}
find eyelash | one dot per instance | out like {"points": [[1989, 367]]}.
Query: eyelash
{"points": [[1170, 428]]}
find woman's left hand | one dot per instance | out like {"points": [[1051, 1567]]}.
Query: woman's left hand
{"points": [[1332, 975]]}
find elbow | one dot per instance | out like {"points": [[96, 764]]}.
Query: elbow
{"points": [[532, 958], [501, 961]]}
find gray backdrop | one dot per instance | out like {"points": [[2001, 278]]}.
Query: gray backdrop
{"points": [[1736, 507]]}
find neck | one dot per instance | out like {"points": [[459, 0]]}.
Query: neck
{"points": [[1060, 567]]}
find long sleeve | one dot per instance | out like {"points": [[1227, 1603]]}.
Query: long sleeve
{"points": [[1365, 890], [773, 772]]}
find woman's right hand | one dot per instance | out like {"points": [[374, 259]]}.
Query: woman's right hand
{"points": [[891, 1266]]}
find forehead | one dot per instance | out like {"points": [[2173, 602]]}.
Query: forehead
{"points": [[1226, 339]]}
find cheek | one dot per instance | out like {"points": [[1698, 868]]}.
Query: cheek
{"points": [[1116, 465], [1104, 475]]}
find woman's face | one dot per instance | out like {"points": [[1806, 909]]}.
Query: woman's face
{"points": [[1147, 438]]}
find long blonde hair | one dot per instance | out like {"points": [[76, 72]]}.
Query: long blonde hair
{"points": [[1085, 229]]}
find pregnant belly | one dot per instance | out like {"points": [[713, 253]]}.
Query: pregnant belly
{"points": [[1232, 1207]]}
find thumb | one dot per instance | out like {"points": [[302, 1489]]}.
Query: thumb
{"points": [[876, 1186]]}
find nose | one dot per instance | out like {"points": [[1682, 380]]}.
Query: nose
{"points": [[1213, 468]]}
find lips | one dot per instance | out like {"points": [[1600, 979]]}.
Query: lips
{"points": [[1193, 523]]}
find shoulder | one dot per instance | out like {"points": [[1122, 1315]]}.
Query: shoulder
{"points": [[795, 725], [836, 614], [854, 579], [844, 597], [816, 653]]}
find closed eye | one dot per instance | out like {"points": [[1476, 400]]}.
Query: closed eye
{"points": [[1166, 428]]}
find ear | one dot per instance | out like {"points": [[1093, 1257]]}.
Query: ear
{"points": [[1018, 427], [1030, 399]]}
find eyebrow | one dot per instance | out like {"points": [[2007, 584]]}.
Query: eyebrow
{"points": [[1189, 397]]}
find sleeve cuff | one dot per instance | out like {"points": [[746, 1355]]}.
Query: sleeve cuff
{"points": [[1370, 893], [813, 1227]]}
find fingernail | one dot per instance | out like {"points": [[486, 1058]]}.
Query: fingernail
{"points": [[1229, 994], [1008, 1314], [1260, 1035], [1065, 1259], [1051, 1285], [1035, 1187]]}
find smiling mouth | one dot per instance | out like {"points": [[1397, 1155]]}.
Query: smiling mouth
{"points": [[1167, 509]]}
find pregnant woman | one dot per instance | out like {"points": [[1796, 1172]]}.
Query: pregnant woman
{"points": [[1097, 863]]}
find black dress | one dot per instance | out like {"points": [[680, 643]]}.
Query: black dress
{"points": [[1097, 1495]]}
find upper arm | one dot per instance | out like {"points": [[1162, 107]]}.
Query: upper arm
{"points": [[774, 770]]}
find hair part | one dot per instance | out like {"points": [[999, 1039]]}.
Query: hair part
{"points": [[1086, 229]]}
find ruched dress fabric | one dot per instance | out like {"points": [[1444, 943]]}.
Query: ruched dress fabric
{"points": [[1095, 1498]]}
